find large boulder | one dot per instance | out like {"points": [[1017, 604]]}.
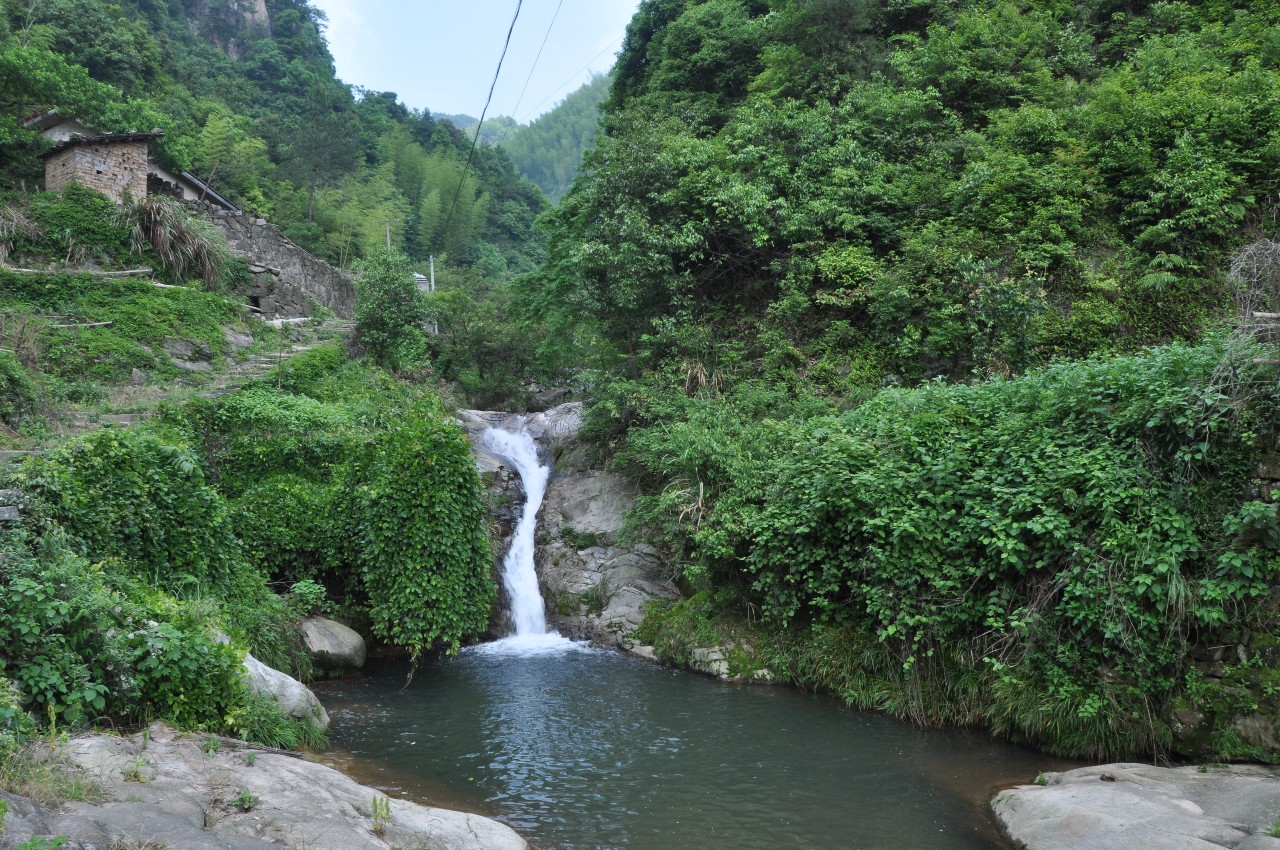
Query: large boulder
{"points": [[333, 646], [165, 789], [1124, 806], [295, 699]]}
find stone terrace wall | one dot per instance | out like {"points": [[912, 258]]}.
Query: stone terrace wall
{"points": [[287, 281]]}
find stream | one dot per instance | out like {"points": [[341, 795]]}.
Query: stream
{"points": [[582, 749]]}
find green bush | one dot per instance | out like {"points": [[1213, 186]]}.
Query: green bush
{"points": [[85, 641], [19, 395], [284, 526], [259, 432], [303, 373], [390, 311], [1073, 529], [128, 494], [412, 522], [78, 224], [16, 724]]}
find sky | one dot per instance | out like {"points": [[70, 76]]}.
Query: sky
{"points": [[441, 54]]}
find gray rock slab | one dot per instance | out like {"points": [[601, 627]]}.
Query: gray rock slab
{"points": [[238, 341], [595, 502], [187, 801], [1121, 806]]}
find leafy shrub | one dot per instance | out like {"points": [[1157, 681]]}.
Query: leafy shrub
{"points": [[258, 432], [389, 310], [302, 373], [283, 525], [1081, 519], [16, 724], [128, 494], [77, 224], [86, 641], [412, 523], [19, 395]]}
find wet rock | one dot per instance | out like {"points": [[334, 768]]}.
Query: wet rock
{"points": [[1155, 808], [333, 646]]}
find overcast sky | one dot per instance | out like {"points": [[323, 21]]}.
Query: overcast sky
{"points": [[441, 54]]}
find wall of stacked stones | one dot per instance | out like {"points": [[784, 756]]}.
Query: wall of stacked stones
{"points": [[287, 280]]}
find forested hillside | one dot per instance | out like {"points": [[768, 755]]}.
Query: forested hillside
{"points": [[247, 95], [917, 321], [549, 149]]}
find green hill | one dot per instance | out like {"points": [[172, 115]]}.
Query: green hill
{"points": [[549, 150], [918, 323], [250, 102]]}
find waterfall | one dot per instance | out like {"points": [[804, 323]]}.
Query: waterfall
{"points": [[519, 574]]}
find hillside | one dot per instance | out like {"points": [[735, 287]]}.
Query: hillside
{"points": [[247, 95], [549, 149], [919, 326]]}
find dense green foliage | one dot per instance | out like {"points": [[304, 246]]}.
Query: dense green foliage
{"points": [[390, 311], [549, 149], [352, 479], [972, 187], [415, 528], [909, 314]]}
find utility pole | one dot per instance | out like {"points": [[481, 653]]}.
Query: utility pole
{"points": [[431, 287], [388, 237]]}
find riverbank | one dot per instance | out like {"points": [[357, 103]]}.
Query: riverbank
{"points": [[161, 788]]}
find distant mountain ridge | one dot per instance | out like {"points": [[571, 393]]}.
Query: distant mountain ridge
{"points": [[549, 150]]}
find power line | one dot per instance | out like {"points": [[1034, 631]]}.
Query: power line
{"points": [[448, 219], [571, 79], [516, 108]]}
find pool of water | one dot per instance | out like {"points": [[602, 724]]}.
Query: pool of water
{"points": [[582, 748]]}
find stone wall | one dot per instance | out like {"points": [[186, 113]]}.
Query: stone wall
{"points": [[113, 168], [287, 281]]}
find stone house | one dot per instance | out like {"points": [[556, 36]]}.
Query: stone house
{"points": [[116, 164], [113, 163]]}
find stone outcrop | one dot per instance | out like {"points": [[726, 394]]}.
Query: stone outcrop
{"points": [[287, 280], [333, 646], [295, 699], [164, 789], [1125, 806]]}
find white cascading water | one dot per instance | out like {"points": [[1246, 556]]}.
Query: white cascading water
{"points": [[518, 572]]}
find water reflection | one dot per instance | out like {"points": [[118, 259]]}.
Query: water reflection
{"points": [[587, 749]]}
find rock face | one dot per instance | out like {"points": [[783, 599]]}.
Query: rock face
{"points": [[165, 790], [295, 698], [595, 588], [1123, 806], [333, 646]]}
